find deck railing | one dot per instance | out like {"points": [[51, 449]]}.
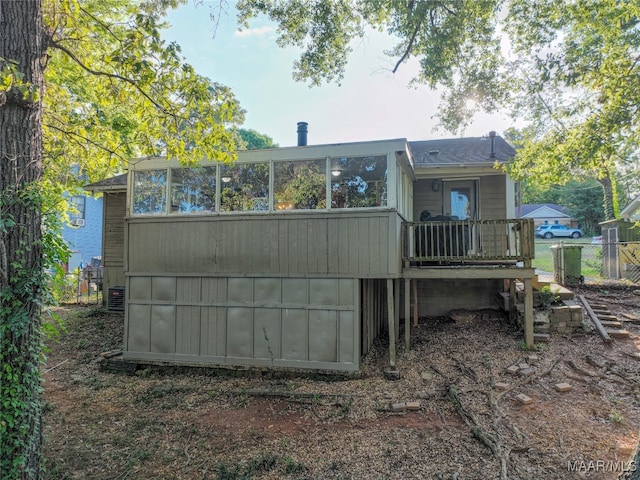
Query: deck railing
{"points": [[508, 240]]}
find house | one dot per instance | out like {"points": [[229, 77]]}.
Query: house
{"points": [[632, 211], [547, 214], [301, 256], [114, 193], [83, 234]]}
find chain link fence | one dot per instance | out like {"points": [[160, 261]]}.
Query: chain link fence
{"points": [[599, 261], [83, 286]]}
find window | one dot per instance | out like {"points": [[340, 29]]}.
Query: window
{"points": [[354, 182], [359, 182], [149, 192], [300, 185], [77, 210], [244, 187], [193, 190]]}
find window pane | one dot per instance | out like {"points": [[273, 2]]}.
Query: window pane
{"points": [[77, 207], [193, 189], [149, 191], [300, 185], [244, 187], [359, 182], [461, 203]]}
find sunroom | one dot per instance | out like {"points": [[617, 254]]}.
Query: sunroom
{"points": [[269, 261]]}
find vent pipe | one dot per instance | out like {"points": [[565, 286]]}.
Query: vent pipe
{"points": [[492, 137], [302, 134]]}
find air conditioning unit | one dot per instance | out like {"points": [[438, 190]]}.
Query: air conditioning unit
{"points": [[77, 222], [115, 301]]}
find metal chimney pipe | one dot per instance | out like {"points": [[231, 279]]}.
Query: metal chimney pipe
{"points": [[492, 137], [302, 134]]}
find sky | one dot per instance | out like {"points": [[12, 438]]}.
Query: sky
{"points": [[370, 104]]}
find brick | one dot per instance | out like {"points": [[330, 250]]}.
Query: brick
{"points": [[501, 385], [524, 399], [525, 372], [399, 407], [414, 405], [563, 387], [513, 369], [533, 359], [427, 376]]}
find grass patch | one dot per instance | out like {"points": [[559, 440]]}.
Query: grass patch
{"points": [[591, 255]]}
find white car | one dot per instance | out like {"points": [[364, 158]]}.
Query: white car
{"points": [[550, 231]]}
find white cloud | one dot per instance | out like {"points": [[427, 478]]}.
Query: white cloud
{"points": [[253, 31]]}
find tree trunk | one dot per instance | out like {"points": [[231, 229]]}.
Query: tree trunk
{"points": [[21, 276], [609, 196]]}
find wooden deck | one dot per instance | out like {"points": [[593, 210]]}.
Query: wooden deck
{"points": [[484, 249]]}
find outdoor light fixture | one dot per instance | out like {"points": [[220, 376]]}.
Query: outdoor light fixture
{"points": [[226, 179], [336, 172]]}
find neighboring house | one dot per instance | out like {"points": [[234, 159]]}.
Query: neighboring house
{"points": [[302, 256], [621, 244], [114, 193], [548, 214], [84, 233], [632, 211]]}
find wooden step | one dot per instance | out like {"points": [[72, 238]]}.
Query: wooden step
{"points": [[611, 324], [615, 333]]}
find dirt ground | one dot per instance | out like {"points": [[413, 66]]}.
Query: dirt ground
{"points": [[194, 423]]}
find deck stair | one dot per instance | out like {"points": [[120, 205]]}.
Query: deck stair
{"points": [[541, 281], [607, 325]]}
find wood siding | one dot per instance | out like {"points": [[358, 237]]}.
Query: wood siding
{"points": [[344, 244], [493, 201], [492, 197], [283, 322], [113, 241], [114, 213]]}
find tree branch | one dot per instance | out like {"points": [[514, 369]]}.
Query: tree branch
{"points": [[86, 139], [114, 76], [408, 49]]}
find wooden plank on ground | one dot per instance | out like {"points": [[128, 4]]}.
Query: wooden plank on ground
{"points": [[630, 317], [594, 319]]}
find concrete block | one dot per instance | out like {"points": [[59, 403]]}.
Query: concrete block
{"points": [[526, 372], [523, 366], [541, 337], [503, 299], [414, 405], [524, 399], [501, 385], [398, 407]]}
